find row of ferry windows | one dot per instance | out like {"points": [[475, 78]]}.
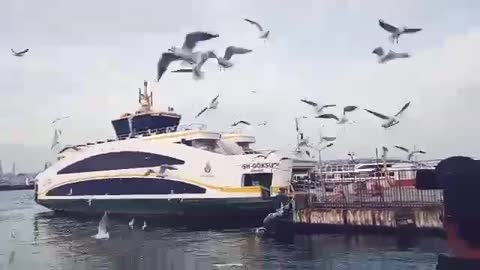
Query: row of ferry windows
{"points": [[119, 161]]}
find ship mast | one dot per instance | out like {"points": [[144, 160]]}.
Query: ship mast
{"points": [[145, 99]]}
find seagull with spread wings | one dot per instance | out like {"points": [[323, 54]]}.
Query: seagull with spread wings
{"points": [[328, 116], [191, 40], [317, 107], [196, 70], [263, 34], [346, 109], [266, 155], [225, 62], [19, 54], [59, 118], [212, 106], [241, 122], [390, 121], [396, 32], [410, 153], [391, 55]]}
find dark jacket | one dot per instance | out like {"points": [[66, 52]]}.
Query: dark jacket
{"points": [[450, 263]]}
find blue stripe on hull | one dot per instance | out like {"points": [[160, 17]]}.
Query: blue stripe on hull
{"points": [[126, 186]]}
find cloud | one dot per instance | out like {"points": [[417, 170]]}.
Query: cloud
{"points": [[87, 60]]}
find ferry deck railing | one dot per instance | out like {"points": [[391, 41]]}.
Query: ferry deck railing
{"points": [[140, 134]]}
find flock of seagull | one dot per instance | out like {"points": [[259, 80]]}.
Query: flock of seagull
{"points": [[320, 110], [395, 33], [196, 59]]}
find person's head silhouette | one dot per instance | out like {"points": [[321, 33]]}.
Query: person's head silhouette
{"points": [[460, 179]]}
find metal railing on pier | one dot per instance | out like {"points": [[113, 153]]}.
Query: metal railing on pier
{"points": [[396, 188]]}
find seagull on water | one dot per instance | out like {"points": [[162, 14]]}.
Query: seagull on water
{"points": [[191, 40], [212, 106], [102, 228], [346, 110], [19, 54], [240, 122], [317, 107], [229, 265], [144, 226], [131, 223], [397, 31], [391, 55], [410, 153], [70, 193], [196, 70], [390, 121], [263, 34], [225, 62], [89, 202]]}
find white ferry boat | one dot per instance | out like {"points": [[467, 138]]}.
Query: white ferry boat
{"points": [[154, 166]]}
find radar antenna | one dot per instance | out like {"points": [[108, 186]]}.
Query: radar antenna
{"points": [[145, 100]]}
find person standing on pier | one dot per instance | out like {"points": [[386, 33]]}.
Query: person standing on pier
{"points": [[460, 179]]}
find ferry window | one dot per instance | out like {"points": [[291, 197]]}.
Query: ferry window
{"points": [[118, 161], [205, 144], [245, 146], [257, 179]]}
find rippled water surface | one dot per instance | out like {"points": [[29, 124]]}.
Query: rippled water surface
{"points": [[32, 237]]}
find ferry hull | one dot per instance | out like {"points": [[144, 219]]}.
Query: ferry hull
{"points": [[218, 207]]}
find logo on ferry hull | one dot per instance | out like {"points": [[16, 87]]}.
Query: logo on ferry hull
{"points": [[207, 168]]}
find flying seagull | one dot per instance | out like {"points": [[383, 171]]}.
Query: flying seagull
{"points": [[263, 34], [191, 40], [327, 139], [164, 167], [59, 118], [318, 108], [297, 124], [384, 152], [225, 62], [328, 116], [390, 121], [19, 54], [212, 106], [397, 31], [410, 153], [164, 62], [346, 110], [265, 156], [264, 123], [391, 55], [56, 137], [196, 70], [240, 122]]}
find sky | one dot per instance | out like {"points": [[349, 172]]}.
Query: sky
{"points": [[88, 58]]}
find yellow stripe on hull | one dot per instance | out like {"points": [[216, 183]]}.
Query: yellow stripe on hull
{"points": [[226, 189]]}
